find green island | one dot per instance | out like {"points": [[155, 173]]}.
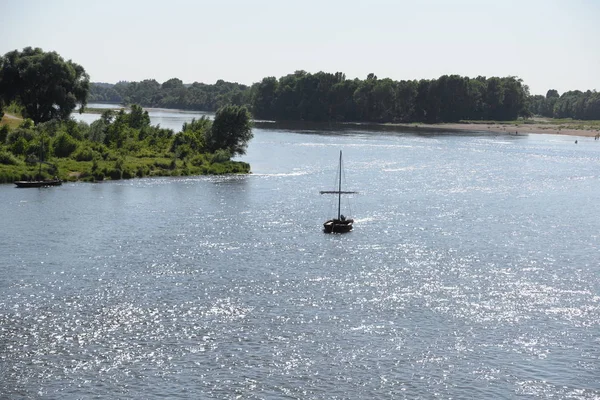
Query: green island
{"points": [[39, 140], [39, 91]]}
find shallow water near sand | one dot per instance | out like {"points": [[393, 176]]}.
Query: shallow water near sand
{"points": [[472, 272]]}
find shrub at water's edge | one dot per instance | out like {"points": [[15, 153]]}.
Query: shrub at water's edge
{"points": [[124, 145]]}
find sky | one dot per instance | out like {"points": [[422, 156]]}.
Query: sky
{"points": [[550, 44]]}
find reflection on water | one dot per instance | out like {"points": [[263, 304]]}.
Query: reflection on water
{"points": [[471, 273]]}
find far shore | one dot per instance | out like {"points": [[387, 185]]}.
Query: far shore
{"points": [[547, 128], [539, 126]]}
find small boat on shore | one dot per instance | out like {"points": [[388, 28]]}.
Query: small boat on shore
{"points": [[34, 184], [341, 224]]}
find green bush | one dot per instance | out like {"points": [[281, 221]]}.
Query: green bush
{"points": [[127, 174], [119, 163], [27, 124], [9, 176], [220, 156], [98, 175], [20, 133], [142, 171], [183, 151], [198, 160], [7, 158], [64, 145], [218, 169], [3, 133], [115, 174], [162, 165], [145, 153], [19, 147], [132, 146], [84, 153]]}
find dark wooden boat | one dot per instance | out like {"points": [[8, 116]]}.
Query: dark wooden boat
{"points": [[40, 182], [34, 184], [341, 224], [338, 225]]}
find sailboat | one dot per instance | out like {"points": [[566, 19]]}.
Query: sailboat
{"points": [[341, 224], [40, 183]]}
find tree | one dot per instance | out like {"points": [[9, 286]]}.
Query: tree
{"points": [[514, 101], [192, 134], [138, 118], [231, 130], [47, 86], [263, 97], [494, 99]]}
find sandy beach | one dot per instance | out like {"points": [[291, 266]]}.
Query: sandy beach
{"points": [[543, 128]]}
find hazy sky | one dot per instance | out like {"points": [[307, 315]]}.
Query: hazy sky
{"points": [[548, 43]]}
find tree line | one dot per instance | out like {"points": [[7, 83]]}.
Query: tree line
{"points": [[572, 104], [171, 94], [332, 97], [49, 87]]}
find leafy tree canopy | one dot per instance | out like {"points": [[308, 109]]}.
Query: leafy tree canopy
{"points": [[43, 83], [231, 130], [322, 96]]}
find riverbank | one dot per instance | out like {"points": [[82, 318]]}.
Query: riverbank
{"points": [[127, 167], [534, 126], [547, 126]]}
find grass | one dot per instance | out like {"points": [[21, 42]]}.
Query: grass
{"points": [[11, 122], [125, 168]]}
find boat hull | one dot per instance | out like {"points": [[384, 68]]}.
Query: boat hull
{"points": [[33, 184], [338, 226]]}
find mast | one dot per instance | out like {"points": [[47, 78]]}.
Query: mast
{"points": [[340, 188], [339, 192], [41, 158]]}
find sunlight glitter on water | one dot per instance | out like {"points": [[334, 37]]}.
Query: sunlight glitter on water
{"points": [[463, 277]]}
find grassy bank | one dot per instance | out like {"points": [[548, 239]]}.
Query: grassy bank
{"points": [[123, 168]]}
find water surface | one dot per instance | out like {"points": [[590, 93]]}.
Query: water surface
{"points": [[472, 272], [163, 117]]}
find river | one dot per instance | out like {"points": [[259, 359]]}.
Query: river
{"points": [[164, 117], [472, 272]]}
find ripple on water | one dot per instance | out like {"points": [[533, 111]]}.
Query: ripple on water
{"points": [[464, 278]]}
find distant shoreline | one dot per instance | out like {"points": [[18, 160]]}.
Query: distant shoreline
{"points": [[507, 128], [546, 126]]}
